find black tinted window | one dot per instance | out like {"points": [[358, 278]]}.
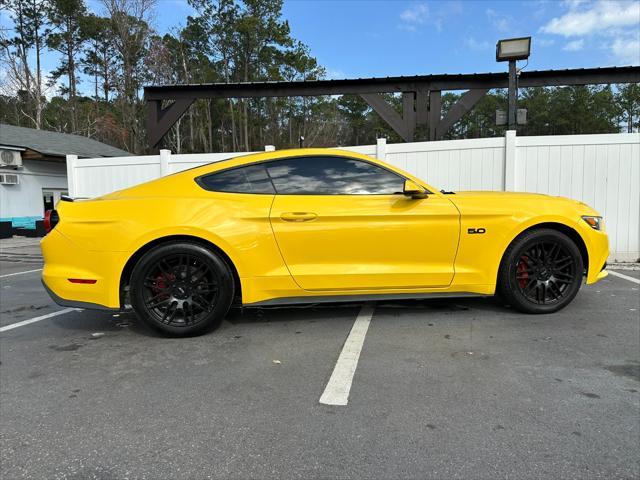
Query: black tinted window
{"points": [[250, 179], [332, 176]]}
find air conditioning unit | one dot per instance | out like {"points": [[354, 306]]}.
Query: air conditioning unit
{"points": [[9, 179], [10, 158]]}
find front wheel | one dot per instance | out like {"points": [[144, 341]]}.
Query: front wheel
{"points": [[181, 288], [541, 271]]}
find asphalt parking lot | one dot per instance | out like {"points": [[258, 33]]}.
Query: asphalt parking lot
{"points": [[456, 389]]}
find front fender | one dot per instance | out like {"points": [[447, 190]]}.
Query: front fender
{"points": [[479, 257]]}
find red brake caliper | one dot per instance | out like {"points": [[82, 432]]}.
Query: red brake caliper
{"points": [[161, 282], [522, 273]]}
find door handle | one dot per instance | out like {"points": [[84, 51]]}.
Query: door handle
{"points": [[298, 216]]}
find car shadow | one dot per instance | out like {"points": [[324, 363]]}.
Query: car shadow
{"points": [[94, 321]]}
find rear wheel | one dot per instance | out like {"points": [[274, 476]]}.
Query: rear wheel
{"points": [[541, 271], [181, 288]]}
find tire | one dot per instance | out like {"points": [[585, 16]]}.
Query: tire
{"points": [[541, 272], [181, 289]]}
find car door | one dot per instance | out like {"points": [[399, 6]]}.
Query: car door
{"points": [[344, 224]]}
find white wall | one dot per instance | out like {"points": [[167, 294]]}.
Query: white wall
{"points": [[600, 170], [92, 177], [25, 199], [453, 165]]}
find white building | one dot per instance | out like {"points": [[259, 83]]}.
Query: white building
{"points": [[33, 172]]}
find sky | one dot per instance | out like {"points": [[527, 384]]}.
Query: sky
{"points": [[366, 38], [379, 38]]}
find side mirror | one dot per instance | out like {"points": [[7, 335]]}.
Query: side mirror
{"points": [[413, 190]]}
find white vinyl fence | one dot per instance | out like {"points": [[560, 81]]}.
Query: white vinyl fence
{"points": [[600, 170]]}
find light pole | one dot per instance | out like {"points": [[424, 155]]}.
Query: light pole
{"points": [[512, 50]]}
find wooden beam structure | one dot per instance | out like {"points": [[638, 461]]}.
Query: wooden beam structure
{"points": [[421, 95]]}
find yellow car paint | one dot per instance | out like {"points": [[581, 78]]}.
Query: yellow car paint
{"points": [[352, 244], [297, 246]]}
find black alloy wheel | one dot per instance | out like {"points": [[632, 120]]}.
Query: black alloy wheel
{"points": [[181, 288], [541, 271]]}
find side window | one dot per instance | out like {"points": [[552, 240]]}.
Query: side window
{"points": [[249, 179], [332, 176]]}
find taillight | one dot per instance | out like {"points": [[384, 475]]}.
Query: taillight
{"points": [[51, 219]]}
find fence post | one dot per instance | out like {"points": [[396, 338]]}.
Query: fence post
{"points": [[71, 174], [269, 148], [510, 161], [165, 158], [381, 149]]}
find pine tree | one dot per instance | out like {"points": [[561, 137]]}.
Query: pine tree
{"points": [[67, 37], [31, 29]]}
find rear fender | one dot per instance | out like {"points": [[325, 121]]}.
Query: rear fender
{"points": [[196, 233]]}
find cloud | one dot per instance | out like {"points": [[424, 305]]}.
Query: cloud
{"points": [[335, 74], [615, 20], [414, 16], [544, 42], [627, 50], [420, 15], [598, 17], [574, 3], [478, 45], [574, 45], [501, 22]]}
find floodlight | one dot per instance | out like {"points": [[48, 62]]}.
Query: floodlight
{"points": [[513, 49]]}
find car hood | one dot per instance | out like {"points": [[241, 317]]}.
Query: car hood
{"points": [[517, 200]]}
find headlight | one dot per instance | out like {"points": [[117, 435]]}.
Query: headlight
{"points": [[594, 222]]}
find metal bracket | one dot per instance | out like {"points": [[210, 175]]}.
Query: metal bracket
{"points": [[404, 125], [160, 120], [455, 113], [414, 111]]}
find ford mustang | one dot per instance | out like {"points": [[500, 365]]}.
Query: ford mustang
{"points": [[309, 226]]}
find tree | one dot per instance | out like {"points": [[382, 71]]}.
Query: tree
{"points": [[215, 25], [66, 17], [581, 109], [537, 101], [354, 110], [31, 30], [481, 120], [131, 33], [99, 59], [105, 61], [628, 103]]}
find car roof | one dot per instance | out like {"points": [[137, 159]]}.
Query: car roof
{"points": [[277, 155], [292, 153], [187, 177]]}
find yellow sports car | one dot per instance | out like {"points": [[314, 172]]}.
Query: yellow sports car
{"points": [[309, 226]]}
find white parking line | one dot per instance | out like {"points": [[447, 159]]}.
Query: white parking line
{"points": [[37, 319], [20, 273], [337, 390], [626, 277]]}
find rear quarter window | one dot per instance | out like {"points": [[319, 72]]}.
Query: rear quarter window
{"points": [[247, 179]]}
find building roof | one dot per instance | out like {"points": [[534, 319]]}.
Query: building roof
{"points": [[54, 144]]}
